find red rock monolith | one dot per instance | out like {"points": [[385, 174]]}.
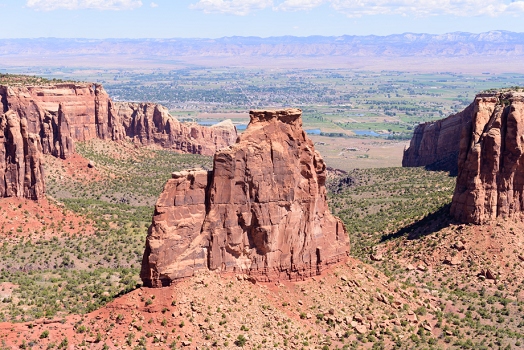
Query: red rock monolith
{"points": [[262, 211], [21, 170], [490, 180]]}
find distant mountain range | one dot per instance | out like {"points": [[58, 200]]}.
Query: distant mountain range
{"points": [[458, 44]]}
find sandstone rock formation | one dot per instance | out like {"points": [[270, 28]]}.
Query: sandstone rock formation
{"points": [[63, 113], [50, 118], [262, 211], [21, 171], [490, 180], [435, 145], [151, 124]]}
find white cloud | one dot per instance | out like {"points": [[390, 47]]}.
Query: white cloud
{"points": [[50, 5], [297, 5], [359, 8], [423, 8], [236, 7], [153, 4]]}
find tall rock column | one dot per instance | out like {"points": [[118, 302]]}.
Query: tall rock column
{"points": [[266, 212], [21, 169], [490, 181]]}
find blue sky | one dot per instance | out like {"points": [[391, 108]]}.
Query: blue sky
{"points": [[218, 18]]}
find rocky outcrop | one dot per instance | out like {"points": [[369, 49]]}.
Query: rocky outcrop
{"points": [[151, 124], [21, 171], [63, 113], [490, 180], [435, 145], [55, 116], [59, 114], [262, 211]]}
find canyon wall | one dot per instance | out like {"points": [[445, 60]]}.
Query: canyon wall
{"points": [[63, 113], [490, 180], [262, 211], [435, 145], [151, 124], [21, 170], [53, 117]]}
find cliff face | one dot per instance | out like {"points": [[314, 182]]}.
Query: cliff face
{"points": [[490, 181], [53, 117], [435, 145], [149, 123], [21, 171], [63, 113], [262, 210]]}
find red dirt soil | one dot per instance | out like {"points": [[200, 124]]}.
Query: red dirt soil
{"points": [[214, 310], [39, 220]]}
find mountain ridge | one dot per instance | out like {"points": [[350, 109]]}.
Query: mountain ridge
{"points": [[454, 44]]}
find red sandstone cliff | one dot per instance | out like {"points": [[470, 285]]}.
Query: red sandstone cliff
{"points": [[63, 113], [52, 117], [149, 123], [262, 210], [21, 171], [490, 180], [435, 145]]}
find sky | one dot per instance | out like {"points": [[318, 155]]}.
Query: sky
{"points": [[218, 18]]}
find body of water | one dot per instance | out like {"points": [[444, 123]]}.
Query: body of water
{"points": [[368, 133], [313, 132], [240, 127]]}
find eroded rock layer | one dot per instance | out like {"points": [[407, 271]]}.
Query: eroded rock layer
{"points": [[63, 113], [151, 124], [21, 171], [55, 116], [262, 211], [490, 180], [435, 145]]}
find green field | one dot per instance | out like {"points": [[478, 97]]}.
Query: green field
{"points": [[333, 100]]}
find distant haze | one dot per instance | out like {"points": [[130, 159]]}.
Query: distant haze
{"points": [[497, 51], [459, 44]]}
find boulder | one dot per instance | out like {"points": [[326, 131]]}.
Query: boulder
{"points": [[262, 211]]}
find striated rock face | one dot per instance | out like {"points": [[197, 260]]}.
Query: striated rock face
{"points": [[63, 113], [262, 211], [51, 118], [58, 113], [149, 123], [435, 145], [490, 180], [21, 171]]}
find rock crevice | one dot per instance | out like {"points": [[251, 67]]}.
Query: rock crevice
{"points": [[262, 211]]}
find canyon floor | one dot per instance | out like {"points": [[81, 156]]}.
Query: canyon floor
{"points": [[69, 275]]}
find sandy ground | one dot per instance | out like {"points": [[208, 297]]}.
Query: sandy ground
{"points": [[359, 153]]}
